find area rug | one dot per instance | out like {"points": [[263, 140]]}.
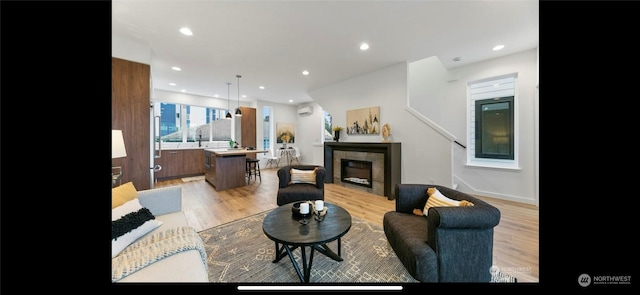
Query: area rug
{"points": [[239, 252]]}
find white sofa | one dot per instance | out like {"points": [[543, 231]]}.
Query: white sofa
{"points": [[187, 266]]}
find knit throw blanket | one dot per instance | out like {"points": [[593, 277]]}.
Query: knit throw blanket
{"points": [[155, 247]]}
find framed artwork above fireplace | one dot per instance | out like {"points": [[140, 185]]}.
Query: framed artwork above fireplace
{"points": [[363, 121]]}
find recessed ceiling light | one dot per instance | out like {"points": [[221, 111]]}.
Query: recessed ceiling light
{"points": [[244, 95], [216, 95], [172, 84], [305, 72], [183, 90], [498, 47], [261, 87], [291, 100], [176, 69], [364, 46], [186, 31]]}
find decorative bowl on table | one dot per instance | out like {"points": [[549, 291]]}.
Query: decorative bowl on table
{"points": [[319, 215]]}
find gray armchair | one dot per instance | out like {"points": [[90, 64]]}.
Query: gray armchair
{"points": [[289, 193], [450, 244]]}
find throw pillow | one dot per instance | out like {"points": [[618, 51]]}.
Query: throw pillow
{"points": [[437, 199], [129, 222], [303, 176], [122, 194]]}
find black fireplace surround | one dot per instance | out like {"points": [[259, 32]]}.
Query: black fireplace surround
{"points": [[392, 160]]}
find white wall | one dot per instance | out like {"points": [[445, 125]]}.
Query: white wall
{"points": [[426, 155], [518, 185], [309, 131], [427, 81]]}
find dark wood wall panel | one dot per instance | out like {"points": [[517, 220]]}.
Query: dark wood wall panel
{"points": [[249, 128], [130, 112]]}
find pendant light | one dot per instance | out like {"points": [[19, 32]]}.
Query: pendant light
{"points": [[238, 111], [228, 116]]}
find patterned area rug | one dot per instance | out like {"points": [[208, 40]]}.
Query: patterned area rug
{"points": [[239, 252]]}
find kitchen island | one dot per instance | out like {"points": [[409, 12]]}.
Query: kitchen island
{"points": [[226, 168]]}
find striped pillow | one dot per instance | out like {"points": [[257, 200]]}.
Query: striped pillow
{"points": [[437, 199], [303, 176]]}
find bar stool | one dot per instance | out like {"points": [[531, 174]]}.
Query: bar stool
{"points": [[253, 168]]}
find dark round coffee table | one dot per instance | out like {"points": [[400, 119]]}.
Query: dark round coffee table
{"points": [[288, 233]]}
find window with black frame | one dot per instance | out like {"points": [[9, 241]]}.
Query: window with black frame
{"points": [[494, 128]]}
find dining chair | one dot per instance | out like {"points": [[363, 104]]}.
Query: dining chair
{"points": [[295, 156], [287, 154], [273, 159]]}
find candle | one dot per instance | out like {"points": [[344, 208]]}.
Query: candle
{"points": [[304, 208], [319, 205]]}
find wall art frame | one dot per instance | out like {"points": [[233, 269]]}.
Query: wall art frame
{"points": [[363, 121], [285, 132]]}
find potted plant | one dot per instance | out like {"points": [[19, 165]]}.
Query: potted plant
{"points": [[336, 133]]}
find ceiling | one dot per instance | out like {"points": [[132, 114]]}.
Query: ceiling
{"points": [[270, 43]]}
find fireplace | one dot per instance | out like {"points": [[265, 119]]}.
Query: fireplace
{"points": [[383, 161], [356, 172]]}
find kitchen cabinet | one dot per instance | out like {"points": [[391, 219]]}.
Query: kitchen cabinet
{"points": [[246, 129], [210, 167], [180, 163], [227, 169]]}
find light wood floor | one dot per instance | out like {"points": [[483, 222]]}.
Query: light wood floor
{"points": [[515, 248]]}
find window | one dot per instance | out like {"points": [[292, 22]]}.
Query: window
{"points": [[186, 123], [197, 119], [492, 122], [328, 127], [494, 128], [170, 124], [266, 127]]}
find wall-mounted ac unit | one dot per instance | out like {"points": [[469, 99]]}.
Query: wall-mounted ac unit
{"points": [[305, 110]]}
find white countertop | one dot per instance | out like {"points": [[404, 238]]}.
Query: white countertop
{"points": [[233, 152]]}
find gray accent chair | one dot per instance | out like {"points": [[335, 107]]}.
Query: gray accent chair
{"points": [[289, 193], [451, 244]]}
